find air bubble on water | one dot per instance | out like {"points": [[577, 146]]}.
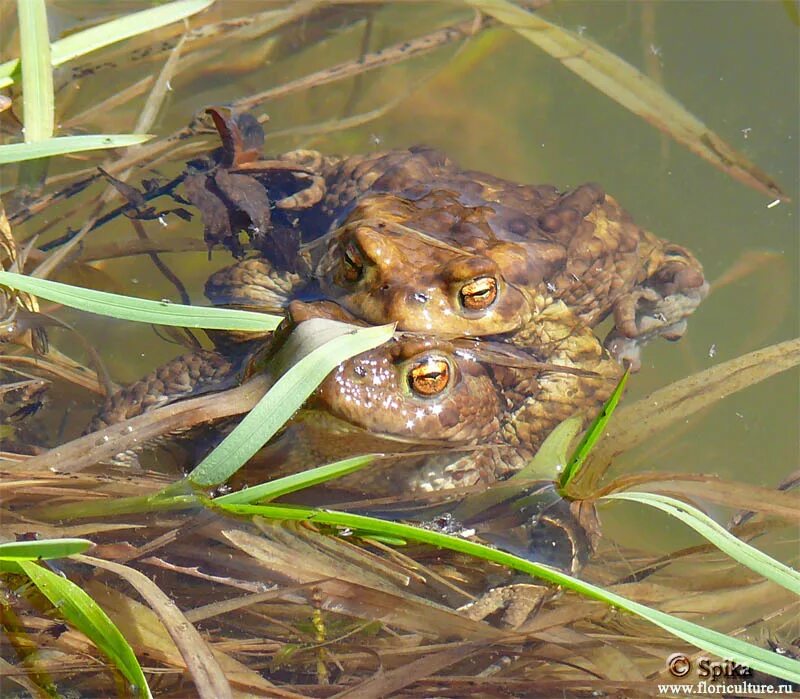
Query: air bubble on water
{"points": [[163, 221], [712, 351], [129, 429], [134, 280]]}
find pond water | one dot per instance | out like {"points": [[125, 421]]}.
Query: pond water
{"points": [[497, 103]]}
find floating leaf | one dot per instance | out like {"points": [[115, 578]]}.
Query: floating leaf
{"points": [[626, 85], [706, 639]]}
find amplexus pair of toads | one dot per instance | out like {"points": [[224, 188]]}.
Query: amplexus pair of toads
{"points": [[495, 287]]}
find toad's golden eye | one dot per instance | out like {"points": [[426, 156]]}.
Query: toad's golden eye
{"points": [[429, 377], [478, 294], [352, 263]]}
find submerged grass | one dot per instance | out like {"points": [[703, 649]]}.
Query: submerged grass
{"points": [[89, 40]]}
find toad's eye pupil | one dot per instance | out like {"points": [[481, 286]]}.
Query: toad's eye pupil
{"points": [[353, 265], [478, 294], [429, 377]]}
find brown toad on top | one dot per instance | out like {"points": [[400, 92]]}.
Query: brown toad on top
{"points": [[407, 236]]}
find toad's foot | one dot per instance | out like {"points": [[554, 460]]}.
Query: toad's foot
{"points": [[659, 306]]}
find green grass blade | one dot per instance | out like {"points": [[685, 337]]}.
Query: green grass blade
{"points": [[42, 550], [85, 614], [88, 40], [285, 398], [706, 639], [737, 549], [594, 433], [140, 310], [299, 481], [63, 145], [37, 72]]}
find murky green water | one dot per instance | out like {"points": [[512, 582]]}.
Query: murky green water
{"points": [[501, 105]]}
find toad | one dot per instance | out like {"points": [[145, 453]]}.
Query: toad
{"points": [[407, 236], [481, 408]]}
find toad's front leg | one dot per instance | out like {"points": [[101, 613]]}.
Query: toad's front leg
{"points": [[255, 285]]}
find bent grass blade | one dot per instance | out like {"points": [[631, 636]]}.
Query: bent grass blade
{"points": [[201, 662], [140, 310], [591, 436], [86, 615], [299, 481], [286, 396], [546, 464], [737, 549]]}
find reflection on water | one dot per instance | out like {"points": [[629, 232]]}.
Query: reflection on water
{"points": [[499, 104]]}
